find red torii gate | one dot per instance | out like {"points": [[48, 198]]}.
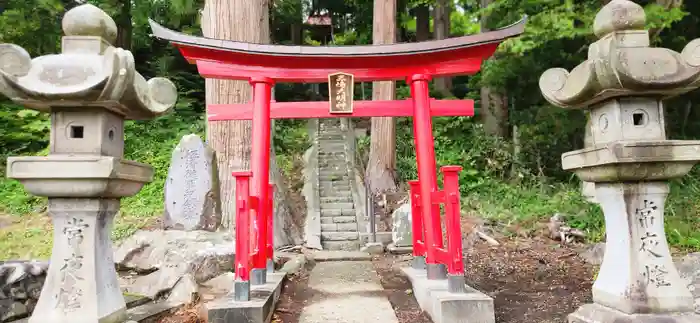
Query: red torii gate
{"points": [[263, 65]]}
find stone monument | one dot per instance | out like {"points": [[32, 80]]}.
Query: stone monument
{"points": [[89, 90], [622, 85], [192, 187]]}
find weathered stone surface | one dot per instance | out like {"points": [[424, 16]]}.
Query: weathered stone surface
{"points": [[373, 248], [164, 256], [401, 230], [185, 290], [629, 159], [594, 253], [192, 187], [20, 288], [89, 89], [81, 278]]}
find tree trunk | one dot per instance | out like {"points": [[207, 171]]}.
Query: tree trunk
{"points": [[124, 25], [441, 30], [381, 167], [241, 20], [494, 104], [422, 22]]}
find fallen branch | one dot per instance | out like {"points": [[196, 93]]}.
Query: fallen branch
{"points": [[486, 238]]}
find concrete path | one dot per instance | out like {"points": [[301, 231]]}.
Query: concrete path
{"points": [[347, 292]]}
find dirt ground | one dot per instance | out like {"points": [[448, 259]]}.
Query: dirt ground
{"points": [[532, 280]]}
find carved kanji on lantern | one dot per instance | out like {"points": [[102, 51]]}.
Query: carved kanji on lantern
{"points": [[622, 85], [89, 89]]}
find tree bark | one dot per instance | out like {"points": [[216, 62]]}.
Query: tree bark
{"points": [[124, 25], [422, 22], [381, 167], [241, 20], [441, 30], [494, 104]]}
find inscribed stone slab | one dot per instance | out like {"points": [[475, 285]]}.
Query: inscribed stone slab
{"points": [[192, 188]]}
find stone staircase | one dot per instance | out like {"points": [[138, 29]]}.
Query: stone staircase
{"points": [[339, 225]]}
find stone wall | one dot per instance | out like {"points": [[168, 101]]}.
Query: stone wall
{"points": [[20, 287]]}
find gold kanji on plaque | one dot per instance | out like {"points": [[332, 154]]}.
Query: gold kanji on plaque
{"points": [[340, 92]]}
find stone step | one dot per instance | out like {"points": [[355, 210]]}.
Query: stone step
{"points": [[340, 245], [340, 236], [341, 206], [334, 179], [337, 169], [333, 171], [331, 190], [333, 213], [341, 184], [334, 141], [334, 192], [331, 156], [339, 195], [339, 227], [333, 163], [337, 199], [334, 146], [338, 219]]}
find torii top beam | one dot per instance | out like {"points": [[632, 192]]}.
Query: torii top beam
{"points": [[225, 59]]}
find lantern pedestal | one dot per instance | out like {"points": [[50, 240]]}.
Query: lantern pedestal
{"points": [[595, 313], [82, 255]]}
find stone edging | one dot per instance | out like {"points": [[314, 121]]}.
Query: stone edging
{"points": [[312, 226]]}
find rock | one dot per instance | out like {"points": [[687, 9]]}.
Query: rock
{"points": [[185, 290], [166, 256], [593, 254], [221, 284], [401, 232], [294, 264], [192, 187], [373, 248], [689, 269], [20, 287]]}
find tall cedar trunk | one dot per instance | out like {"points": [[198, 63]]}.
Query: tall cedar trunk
{"points": [[241, 20], [422, 22], [381, 167], [124, 25], [441, 30], [494, 104]]}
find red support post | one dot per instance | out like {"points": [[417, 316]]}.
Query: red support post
{"points": [[417, 228], [270, 228], [455, 263], [427, 177], [260, 167], [242, 265]]}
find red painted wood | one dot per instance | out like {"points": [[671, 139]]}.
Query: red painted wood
{"points": [[306, 72], [425, 160], [319, 109]]}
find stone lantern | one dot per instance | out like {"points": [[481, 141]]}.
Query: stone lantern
{"points": [[622, 85], [89, 90]]}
